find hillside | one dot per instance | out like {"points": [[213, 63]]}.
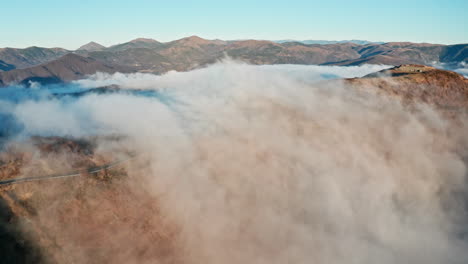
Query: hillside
{"points": [[23, 58], [136, 43], [445, 90], [5, 66], [40, 221], [67, 68]]}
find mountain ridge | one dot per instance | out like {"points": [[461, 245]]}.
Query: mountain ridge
{"points": [[149, 55]]}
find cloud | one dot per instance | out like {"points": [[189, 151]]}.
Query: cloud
{"points": [[228, 68], [263, 164], [461, 67]]}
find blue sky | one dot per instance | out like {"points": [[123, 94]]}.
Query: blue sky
{"points": [[71, 23]]}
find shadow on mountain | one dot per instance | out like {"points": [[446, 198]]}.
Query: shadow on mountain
{"points": [[15, 245], [6, 67], [114, 89], [41, 80], [110, 89]]}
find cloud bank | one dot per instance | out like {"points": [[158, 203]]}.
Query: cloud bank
{"points": [[264, 164]]}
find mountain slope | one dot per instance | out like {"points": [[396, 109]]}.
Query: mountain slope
{"points": [[326, 42], [136, 43], [67, 68], [23, 58], [454, 53], [138, 59], [188, 53], [5, 66], [375, 59]]}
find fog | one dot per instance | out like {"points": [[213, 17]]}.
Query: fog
{"points": [[270, 164], [460, 67]]}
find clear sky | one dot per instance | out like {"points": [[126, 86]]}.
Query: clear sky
{"points": [[71, 23]]}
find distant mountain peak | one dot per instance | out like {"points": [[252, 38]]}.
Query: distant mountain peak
{"points": [[92, 46], [136, 43], [196, 40], [147, 40], [194, 37]]}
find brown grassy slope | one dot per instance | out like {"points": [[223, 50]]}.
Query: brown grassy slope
{"points": [[103, 218], [67, 68], [417, 83]]}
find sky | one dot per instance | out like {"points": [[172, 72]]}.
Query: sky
{"points": [[72, 23]]}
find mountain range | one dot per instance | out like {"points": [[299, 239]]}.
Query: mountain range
{"points": [[149, 55]]}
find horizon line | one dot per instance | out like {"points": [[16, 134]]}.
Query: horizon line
{"points": [[283, 40]]}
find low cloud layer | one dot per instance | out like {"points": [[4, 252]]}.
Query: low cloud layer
{"points": [[264, 164], [461, 67]]}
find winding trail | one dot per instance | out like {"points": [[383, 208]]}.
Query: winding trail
{"points": [[92, 170]]}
